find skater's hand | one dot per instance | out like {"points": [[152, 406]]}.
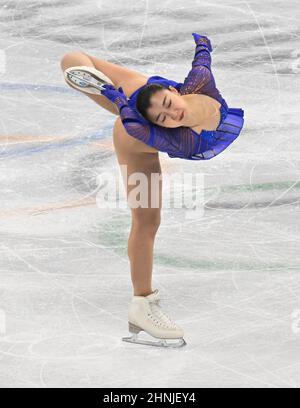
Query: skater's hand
{"points": [[203, 40], [113, 94]]}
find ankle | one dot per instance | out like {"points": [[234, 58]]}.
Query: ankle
{"points": [[142, 293]]}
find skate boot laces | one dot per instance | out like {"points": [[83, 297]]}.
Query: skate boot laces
{"points": [[160, 318]]}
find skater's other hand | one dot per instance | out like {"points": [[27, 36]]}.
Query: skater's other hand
{"points": [[112, 93]]}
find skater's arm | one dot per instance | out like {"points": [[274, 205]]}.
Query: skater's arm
{"points": [[178, 142], [133, 125], [200, 73]]}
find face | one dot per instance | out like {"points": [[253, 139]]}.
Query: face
{"points": [[167, 107]]}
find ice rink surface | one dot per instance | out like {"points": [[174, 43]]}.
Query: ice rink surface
{"points": [[230, 277]]}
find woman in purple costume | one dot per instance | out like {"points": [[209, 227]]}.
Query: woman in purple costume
{"points": [[188, 120]]}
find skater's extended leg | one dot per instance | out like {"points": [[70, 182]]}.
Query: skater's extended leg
{"points": [[121, 76], [140, 158]]}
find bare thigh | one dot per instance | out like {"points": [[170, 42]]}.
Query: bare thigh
{"points": [[128, 79], [134, 157]]}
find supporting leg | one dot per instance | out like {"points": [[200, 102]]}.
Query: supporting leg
{"points": [[139, 158]]}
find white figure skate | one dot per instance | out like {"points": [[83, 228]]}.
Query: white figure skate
{"points": [[86, 79], [145, 314]]}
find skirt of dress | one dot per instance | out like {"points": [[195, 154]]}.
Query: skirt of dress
{"points": [[212, 142]]}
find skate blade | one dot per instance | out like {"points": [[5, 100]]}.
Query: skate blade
{"points": [[85, 81], [161, 343]]}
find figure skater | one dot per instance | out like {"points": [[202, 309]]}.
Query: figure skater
{"points": [[188, 120]]}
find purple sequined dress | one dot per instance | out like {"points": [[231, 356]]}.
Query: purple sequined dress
{"points": [[183, 142]]}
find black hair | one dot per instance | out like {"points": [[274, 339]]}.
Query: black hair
{"points": [[144, 96]]}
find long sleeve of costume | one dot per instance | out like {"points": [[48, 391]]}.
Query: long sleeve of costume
{"points": [[200, 73], [200, 79]]}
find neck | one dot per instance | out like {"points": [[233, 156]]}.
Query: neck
{"points": [[192, 117], [200, 108]]}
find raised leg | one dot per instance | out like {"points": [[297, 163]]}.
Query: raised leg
{"points": [[128, 79]]}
